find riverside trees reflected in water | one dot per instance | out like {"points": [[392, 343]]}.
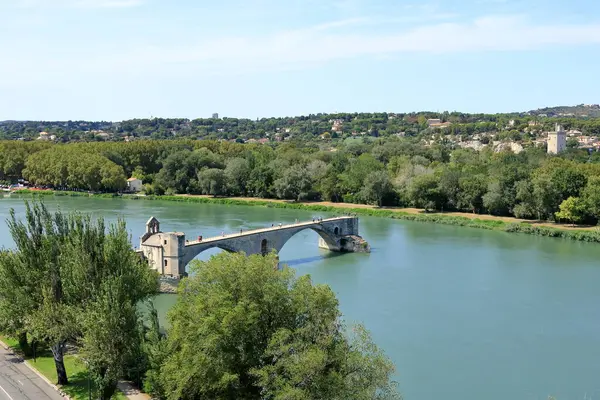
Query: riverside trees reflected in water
{"points": [[463, 313]]}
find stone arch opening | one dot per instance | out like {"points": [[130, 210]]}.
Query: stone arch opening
{"points": [[264, 248], [325, 239], [203, 252], [336, 231]]}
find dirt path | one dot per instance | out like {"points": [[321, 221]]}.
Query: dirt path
{"points": [[408, 211]]}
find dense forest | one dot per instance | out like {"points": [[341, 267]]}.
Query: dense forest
{"points": [[384, 172]]}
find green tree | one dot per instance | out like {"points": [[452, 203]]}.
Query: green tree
{"points": [[471, 191], [591, 196], [175, 173], [493, 199], [555, 181], [449, 185], [154, 353], [16, 302], [107, 281], [358, 169], [528, 205], [572, 143], [243, 329], [294, 184], [424, 192], [63, 263], [212, 181], [237, 173], [572, 209], [376, 188], [111, 336], [261, 182], [48, 316]]}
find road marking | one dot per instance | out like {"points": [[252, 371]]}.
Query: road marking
{"points": [[6, 393]]}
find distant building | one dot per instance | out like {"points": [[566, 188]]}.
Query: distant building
{"points": [[134, 185], [338, 125], [557, 140], [587, 140], [44, 136], [215, 115], [434, 121], [440, 125]]}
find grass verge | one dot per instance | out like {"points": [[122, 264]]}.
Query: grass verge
{"points": [[77, 389], [500, 225]]}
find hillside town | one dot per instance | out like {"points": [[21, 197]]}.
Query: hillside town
{"points": [[554, 131]]}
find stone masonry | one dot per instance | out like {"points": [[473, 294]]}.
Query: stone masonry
{"points": [[170, 252]]}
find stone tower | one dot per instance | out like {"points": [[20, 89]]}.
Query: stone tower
{"points": [[557, 140], [163, 250]]}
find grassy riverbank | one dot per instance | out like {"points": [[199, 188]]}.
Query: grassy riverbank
{"points": [[505, 224], [77, 389]]}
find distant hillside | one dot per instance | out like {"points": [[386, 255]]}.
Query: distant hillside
{"points": [[581, 110]]}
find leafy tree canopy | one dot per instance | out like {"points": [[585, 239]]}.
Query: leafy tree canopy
{"points": [[243, 329]]}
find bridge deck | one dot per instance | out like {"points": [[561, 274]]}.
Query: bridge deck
{"points": [[261, 230]]}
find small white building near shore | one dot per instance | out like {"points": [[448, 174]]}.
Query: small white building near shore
{"points": [[134, 185]]}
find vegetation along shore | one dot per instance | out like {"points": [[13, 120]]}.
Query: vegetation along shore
{"points": [[496, 167], [505, 224]]}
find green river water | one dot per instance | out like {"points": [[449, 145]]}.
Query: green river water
{"points": [[463, 313]]}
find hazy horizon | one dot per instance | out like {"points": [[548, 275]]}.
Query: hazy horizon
{"points": [[121, 59]]}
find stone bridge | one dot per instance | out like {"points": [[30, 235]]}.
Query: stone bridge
{"points": [[170, 252]]}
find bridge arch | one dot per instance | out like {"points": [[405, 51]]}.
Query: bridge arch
{"points": [[172, 249], [327, 239], [265, 243]]}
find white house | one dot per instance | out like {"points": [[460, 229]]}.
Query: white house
{"points": [[134, 185]]}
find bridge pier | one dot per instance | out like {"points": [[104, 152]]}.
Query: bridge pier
{"points": [[170, 252], [347, 244]]}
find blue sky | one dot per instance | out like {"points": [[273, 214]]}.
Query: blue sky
{"points": [[119, 59]]}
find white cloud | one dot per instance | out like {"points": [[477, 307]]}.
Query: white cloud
{"points": [[492, 33], [305, 48]]}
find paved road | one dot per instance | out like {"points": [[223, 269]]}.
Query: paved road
{"points": [[17, 382]]}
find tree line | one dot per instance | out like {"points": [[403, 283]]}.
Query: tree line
{"points": [[306, 127], [241, 328], [383, 172]]}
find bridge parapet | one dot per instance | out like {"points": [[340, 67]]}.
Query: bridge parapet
{"points": [[170, 252]]}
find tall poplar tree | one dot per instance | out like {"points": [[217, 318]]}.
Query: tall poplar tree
{"points": [[58, 286]]}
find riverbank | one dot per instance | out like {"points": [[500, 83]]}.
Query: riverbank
{"points": [[480, 221]]}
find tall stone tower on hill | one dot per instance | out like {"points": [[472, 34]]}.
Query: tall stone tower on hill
{"points": [[557, 140]]}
